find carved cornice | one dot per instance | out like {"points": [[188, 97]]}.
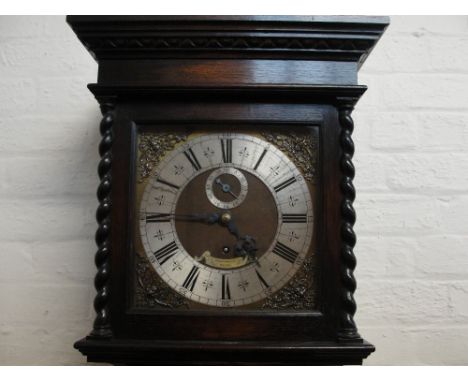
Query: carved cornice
{"points": [[327, 38], [101, 326]]}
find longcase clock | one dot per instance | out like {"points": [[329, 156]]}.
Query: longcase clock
{"points": [[226, 196]]}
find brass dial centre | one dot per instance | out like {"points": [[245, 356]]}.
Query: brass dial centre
{"points": [[226, 217]]}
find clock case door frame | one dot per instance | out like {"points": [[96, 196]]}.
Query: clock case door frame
{"points": [[224, 325]]}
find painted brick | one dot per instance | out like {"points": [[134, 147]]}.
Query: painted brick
{"points": [[67, 132], [371, 172], [388, 58], [14, 26], [427, 91], [451, 25], [55, 56], [429, 172], [73, 175], [439, 257], [18, 96], [394, 344], [370, 101], [402, 302], [442, 257], [443, 131], [440, 345], [395, 214], [453, 214], [394, 131], [18, 349], [386, 257], [52, 219], [48, 304], [17, 262], [458, 292], [69, 262], [71, 89], [448, 54], [361, 134], [419, 346]]}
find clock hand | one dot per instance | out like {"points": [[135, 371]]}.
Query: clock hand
{"points": [[246, 246], [225, 187], [227, 220], [209, 218]]}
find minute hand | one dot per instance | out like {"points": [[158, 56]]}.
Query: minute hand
{"points": [[208, 218]]}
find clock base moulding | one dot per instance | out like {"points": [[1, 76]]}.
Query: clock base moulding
{"points": [[141, 352]]}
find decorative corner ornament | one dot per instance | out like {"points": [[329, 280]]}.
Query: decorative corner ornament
{"points": [[153, 147], [301, 148], [299, 294], [151, 291]]}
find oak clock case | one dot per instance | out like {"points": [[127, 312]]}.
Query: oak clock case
{"points": [[226, 218]]}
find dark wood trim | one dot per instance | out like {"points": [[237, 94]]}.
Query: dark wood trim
{"points": [[102, 328], [134, 352], [345, 38], [224, 72], [348, 330], [260, 93]]}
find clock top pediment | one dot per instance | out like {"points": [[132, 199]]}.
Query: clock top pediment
{"points": [[321, 38]]}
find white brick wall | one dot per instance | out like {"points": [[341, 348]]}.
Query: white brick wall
{"points": [[48, 157], [411, 160], [412, 201]]}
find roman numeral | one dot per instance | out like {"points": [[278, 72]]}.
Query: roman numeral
{"points": [[166, 252], [285, 252], [294, 218], [285, 184], [262, 280], [158, 218], [226, 293], [192, 159], [226, 148], [191, 279], [159, 180], [260, 159]]}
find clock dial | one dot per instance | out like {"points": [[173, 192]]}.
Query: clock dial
{"points": [[226, 219]]}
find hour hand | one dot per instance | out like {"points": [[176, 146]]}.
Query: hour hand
{"points": [[208, 218], [225, 187], [247, 247]]}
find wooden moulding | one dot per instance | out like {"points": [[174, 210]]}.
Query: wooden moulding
{"points": [[228, 51]]}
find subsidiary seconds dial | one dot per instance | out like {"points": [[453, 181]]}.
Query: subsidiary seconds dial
{"points": [[226, 219], [224, 180]]}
